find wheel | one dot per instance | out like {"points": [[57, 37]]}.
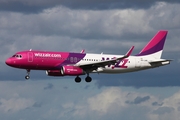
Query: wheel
{"points": [[88, 79], [27, 77], [78, 79]]}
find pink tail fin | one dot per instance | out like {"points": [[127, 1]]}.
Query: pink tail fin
{"points": [[155, 45]]}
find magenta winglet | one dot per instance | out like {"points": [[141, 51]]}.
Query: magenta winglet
{"points": [[130, 51]]}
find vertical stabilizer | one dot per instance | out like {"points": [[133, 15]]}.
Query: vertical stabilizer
{"points": [[155, 47]]}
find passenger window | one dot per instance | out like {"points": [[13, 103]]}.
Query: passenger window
{"points": [[71, 59], [75, 59]]}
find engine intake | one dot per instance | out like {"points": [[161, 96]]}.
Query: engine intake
{"points": [[53, 73]]}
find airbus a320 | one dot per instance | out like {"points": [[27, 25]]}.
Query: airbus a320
{"points": [[77, 64]]}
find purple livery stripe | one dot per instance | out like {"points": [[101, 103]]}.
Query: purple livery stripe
{"points": [[72, 58], [155, 45]]}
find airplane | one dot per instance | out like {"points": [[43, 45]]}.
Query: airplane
{"points": [[77, 64]]}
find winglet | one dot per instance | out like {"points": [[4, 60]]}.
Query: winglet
{"points": [[129, 52], [82, 51]]}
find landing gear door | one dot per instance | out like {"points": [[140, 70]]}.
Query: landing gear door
{"points": [[30, 57]]}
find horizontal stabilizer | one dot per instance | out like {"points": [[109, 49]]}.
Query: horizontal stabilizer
{"points": [[160, 62]]}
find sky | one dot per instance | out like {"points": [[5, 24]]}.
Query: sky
{"points": [[108, 26]]}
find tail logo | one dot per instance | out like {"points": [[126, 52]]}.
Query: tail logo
{"points": [[155, 45]]}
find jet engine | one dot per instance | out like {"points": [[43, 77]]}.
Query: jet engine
{"points": [[72, 70]]}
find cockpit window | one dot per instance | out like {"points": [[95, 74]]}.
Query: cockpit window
{"points": [[17, 56], [14, 56]]}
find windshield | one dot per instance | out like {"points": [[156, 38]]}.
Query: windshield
{"points": [[17, 56]]}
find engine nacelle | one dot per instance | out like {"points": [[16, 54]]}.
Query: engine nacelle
{"points": [[53, 73], [72, 70]]}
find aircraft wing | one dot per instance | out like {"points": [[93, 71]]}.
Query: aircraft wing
{"points": [[95, 65]]}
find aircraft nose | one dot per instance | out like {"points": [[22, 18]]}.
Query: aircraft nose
{"points": [[8, 61]]}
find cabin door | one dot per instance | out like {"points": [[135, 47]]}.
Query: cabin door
{"points": [[30, 57]]}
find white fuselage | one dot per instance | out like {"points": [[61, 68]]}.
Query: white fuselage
{"points": [[130, 64]]}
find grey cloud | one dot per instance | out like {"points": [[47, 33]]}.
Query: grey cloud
{"points": [[36, 6], [163, 110], [112, 25], [49, 86], [87, 86], [157, 104], [111, 28], [37, 104], [56, 104], [178, 108], [138, 100], [65, 87], [20, 7]]}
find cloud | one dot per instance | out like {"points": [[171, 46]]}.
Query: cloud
{"points": [[163, 110], [36, 104], [15, 104], [86, 24], [20, 100], [49, 86], [110, 97], [138, 100], [112, 103], [157, 104], [37, 6]]}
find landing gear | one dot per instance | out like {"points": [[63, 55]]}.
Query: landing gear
{"points": [[78, 79], [27, 76], [88, 79]]}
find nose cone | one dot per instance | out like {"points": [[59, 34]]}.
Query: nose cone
{"points": [[8, 62]]}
